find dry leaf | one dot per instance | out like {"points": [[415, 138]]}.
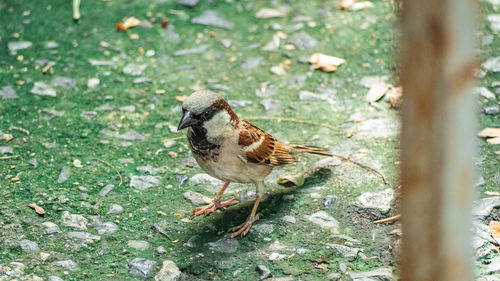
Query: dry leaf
{"points": [[291, 180], [127, 23], [346, 4], [492, 135], [321, 266], [39, 210], [325, 62], [376, 92], [395, 96], [495, 230], [6, 137]]}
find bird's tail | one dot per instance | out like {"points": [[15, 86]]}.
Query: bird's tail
{"points": [[298, 148]]}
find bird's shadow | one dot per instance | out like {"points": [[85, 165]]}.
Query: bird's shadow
{"points": [[275, 205]]}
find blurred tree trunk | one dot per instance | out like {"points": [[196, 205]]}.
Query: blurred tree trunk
{"points": [[437, 50]]}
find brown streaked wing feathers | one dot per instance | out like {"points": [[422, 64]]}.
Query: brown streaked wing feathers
{"points": [[270, 152]]}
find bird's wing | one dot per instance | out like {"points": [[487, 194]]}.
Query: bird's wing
{"points": [[260, 147]]}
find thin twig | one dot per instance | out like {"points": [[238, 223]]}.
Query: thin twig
{"points": [[171, 139], [112, 167], [390, 219], [10, 157], [361, 165], [293, 120]]}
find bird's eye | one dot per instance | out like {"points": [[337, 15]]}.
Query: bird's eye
{"points": [[206, 113]]}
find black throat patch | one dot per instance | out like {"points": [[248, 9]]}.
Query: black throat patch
{"points": [[200, 145]]}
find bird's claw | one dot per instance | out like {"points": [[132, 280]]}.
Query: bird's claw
{"points": [[210, 208], [244, 228]]}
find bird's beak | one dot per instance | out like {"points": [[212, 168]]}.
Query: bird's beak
{"points": [[186, 121]]}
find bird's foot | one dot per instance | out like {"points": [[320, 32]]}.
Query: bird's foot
{"points": [[245, 227], [210, 208]]}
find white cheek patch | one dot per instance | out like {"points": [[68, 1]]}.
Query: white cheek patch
{"points": [[219, 125], [254, 145]]}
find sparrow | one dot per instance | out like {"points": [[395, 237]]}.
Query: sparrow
{"points": [[233, 150]]}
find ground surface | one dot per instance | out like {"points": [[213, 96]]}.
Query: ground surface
{"points": [[121, 115]]}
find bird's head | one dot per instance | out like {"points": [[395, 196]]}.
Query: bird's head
{"points": [[207, 109]]}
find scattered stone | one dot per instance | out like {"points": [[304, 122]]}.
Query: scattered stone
{"points": [[368, 81], [379, 128], [491, 110], [124, 143], [19, 45], [6, 150], [266, 90], [131, 135], [33, 162], [42, 89], [138, 244], [276, 256], [329, 200], [324, 220], [208, 182], [169, 270], [239, 103], [343, 268], [184, 67], [134, 69], [252, 63], [194, 51], [492, 64], [55, 278], [101, 62], [141, 267], [272, 45], [148, 169], [170, 34], [345, 238], [312, 189], [115, 209], [144, 182], [262, 229], [484, 206], [88, 114], [8, 92], [75, 221], [315, 195], [289, 219], [287, 28], [65, 82], [51, 228], [196, 198], [51, 45], [494, 20], [28, 246], [212, 18], [161, 250], [83, 236], [93, 82], [106, 190], [380, 200], [302, 41], [67, 264], [141, 80], [271, 106], [297, 81], [191, 243], [267, 13], [344, 251], [263, 272], [309, 96], [224, 245], [384, 272], [107, 228], [485, 93], [64, 175]]}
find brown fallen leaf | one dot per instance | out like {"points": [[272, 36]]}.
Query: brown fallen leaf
{"points": [[324, 62], [291, 180], [492, 135], [39, 210], [377, 91], [321, 266], [395, 96], [495, 230], [127, 23], [346, 4]]}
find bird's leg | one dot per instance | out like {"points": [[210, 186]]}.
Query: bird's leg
{"points": [[216, 204], [245, 227]]}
